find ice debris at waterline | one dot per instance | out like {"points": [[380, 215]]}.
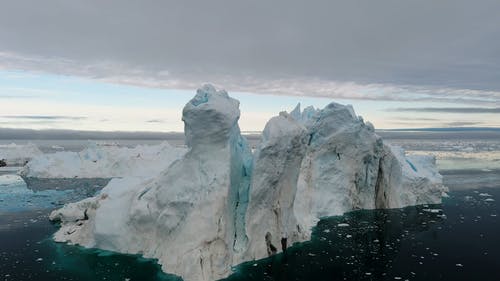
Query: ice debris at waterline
{"points": [[219, 205], [16, 154], [103, 161]]}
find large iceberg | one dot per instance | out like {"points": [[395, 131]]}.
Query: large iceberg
{"points": [[17, 154], [219, 205]]}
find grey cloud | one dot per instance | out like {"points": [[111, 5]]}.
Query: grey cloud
{"points": [[10, 134], [43, 117], [460, 124], [299, 86], [464, 110], [155, 121], [445, 45], [442, 133], [435, 123], [26, 123], [418, 119]]}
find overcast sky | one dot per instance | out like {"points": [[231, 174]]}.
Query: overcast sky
{"points": [[439, 53]]}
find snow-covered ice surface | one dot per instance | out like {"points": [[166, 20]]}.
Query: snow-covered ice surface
{"points": [[17, 155], [460, 154], [103, 161], [219, 206]]}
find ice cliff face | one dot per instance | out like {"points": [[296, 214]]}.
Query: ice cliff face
{"points": [[348, 167], [270, 215], [219, 206]]}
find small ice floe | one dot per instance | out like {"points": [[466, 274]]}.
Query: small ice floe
{"points": [[459, 265], [368, 273], [326, 231], [254, 264], [348, 236], [39, 259], [397, 278], [484, 195], [489, 200], [342, 225], [434, 211]]}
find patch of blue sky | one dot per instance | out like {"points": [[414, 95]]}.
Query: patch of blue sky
{"points": [[77, 92]]}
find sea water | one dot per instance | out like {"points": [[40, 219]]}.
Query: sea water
{"points": [[456, 240]]}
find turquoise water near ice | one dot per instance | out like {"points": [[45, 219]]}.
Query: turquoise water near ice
{"points": [[456, 240]]}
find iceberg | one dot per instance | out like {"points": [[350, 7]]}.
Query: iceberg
{"points": [[17, 154], [219, 205], [348, 167], [103, 161]]}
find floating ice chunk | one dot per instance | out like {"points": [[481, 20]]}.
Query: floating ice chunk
{"points": [[342, 225], [434, 211]]}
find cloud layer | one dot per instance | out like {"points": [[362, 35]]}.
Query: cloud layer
{"points": [[43, 117], [461, 110], [445, 51]]}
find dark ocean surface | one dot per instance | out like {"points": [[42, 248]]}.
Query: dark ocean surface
{"points": [[457, 240]]}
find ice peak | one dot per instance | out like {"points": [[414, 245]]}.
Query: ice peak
{"points": [[295, 113], [210, 116]]}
